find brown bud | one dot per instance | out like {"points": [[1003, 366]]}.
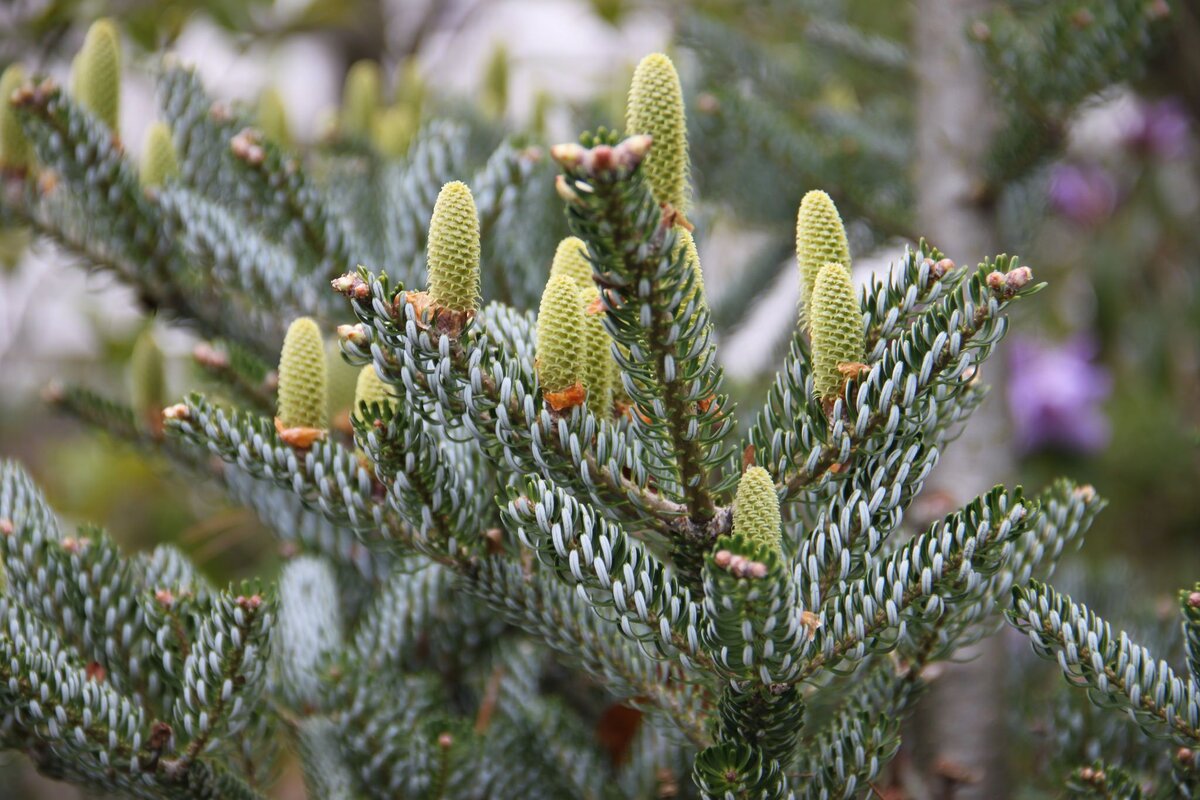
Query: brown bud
{"points": [[247, 146], [53, 392], [1185, 755], [941, 269], [251, 603], [1158, 9], [1193, 600], [1086, 493], [995, 281], [96, 672], [352, 285], [722, 558], [635, 148], [1018, 278], [178, 411], [164, 597], [73, 545], [445, 741], [980, 31], [208, 356], [599, 158], [707, 103], [495, 541], [6, 527], [355, 334], [569, 155], [1081, 18]]}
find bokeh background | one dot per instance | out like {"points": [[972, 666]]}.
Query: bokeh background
{"points": [[1044, 130]]}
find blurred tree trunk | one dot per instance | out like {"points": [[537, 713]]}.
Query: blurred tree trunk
{"points": [[955, 731]]}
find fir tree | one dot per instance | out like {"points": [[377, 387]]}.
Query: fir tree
{"points": [[493, 566]]}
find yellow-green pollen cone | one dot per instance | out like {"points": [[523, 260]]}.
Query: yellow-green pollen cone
{"points": [[494, 98], [560, 338], [453, 250], [96, 74], [820, 240], [836, 329], [570, 259], [655, 107], [15, 149], [697, 294], [361, 97], [371, 390], [756, 510], [302, 377], [147, 379], [272, 118], [596, 354], [393, 131], [158, 163]]}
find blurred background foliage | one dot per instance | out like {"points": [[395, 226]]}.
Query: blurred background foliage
{"points": [[1094, 179]]}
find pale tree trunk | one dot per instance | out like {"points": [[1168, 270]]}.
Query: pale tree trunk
{"points": [[959, 725]]}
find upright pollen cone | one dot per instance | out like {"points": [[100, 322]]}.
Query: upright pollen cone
{"points": [[361, 97], [371, 390], [147, 381], [756, 510], [655, 107], [453, 251], [820, 240], [15, 149], [302, 384], [692, 254], [158, 163], [559, 343], [272, 119], [96, 73], [836, 328], [570, 259], [596, 367], [393, 131]]}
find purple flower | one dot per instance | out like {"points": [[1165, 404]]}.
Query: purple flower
{"points": [[1084, 194], [1055, 394], [1159, 129]]}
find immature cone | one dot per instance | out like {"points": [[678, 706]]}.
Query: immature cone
{"points": [[271, 117], [596, 361], [560, 342], [147, 381], [410, 87], [495, 83], [820, 240], [96, 73], [655, 107], [302, 379], [836, 328], [686, 241], [15, 149], [393, 130], [756, 509], [371, 390], [158, 162], [360, 98], [453, 250], [570, 259]]}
